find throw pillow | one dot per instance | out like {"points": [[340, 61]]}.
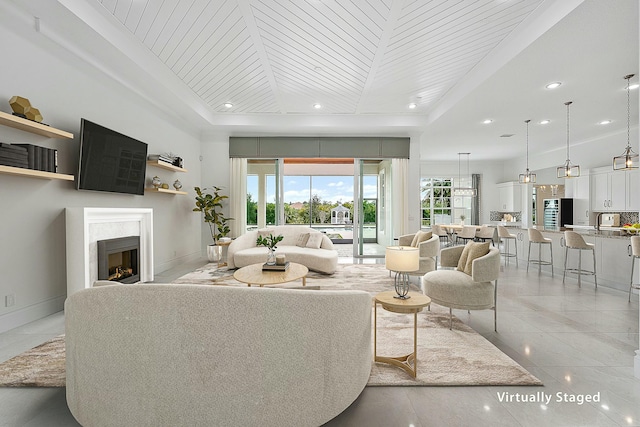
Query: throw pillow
{"points": [[462, 261], [476, 250], [265, 232], [315, 240], [420, 237], [302, 240]]}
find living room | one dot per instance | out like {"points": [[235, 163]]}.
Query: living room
{"points": [[70, 73]]}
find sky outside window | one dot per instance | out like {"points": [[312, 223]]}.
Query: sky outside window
{"points": [[328, 188]]}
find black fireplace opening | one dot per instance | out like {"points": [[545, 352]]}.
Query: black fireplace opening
{"points": [[119, 259]]}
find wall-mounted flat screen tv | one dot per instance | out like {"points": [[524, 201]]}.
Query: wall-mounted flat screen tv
{"points": [[110, 161]]}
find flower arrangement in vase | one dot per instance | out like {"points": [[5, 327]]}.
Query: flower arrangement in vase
{"points": [[270, 242]]}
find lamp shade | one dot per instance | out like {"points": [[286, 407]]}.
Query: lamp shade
{"points": [[402, 258]]}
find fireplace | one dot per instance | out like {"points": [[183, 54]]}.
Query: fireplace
{"points": [[119, 259]]}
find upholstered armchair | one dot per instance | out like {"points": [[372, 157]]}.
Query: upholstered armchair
{"points": [[429, 245], [472, 286]]}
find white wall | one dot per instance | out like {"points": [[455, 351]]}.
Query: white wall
{"points": [[32, 225]]}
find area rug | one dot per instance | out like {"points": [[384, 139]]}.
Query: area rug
{"points": [[457, 357]]}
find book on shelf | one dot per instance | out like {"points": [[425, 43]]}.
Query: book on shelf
{"points": [[15, 155], [160, 158], [14, 163], [275, 267], [41, 158]]}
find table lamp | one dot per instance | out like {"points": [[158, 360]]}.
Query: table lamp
{"points": [[402, 260]]}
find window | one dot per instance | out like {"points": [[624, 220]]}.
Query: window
{"points": [[436, 202]]}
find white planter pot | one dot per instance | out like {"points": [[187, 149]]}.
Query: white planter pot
{"points": [[214, 253]]}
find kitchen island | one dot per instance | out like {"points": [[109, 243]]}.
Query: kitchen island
{"points": [[613, 254]]}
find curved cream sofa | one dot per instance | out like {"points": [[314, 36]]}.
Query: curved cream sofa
{"points": [[193, 355], [243, 250]]}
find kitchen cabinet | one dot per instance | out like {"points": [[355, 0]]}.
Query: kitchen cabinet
{"points": [[614, 263], [609, 191], [580, 192], [509, 194], [557, 244], [633, 190]]}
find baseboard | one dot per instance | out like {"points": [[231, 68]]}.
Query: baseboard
{"points": [[31, 313], [167, 265]]}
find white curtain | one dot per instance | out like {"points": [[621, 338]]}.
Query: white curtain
{"points": [[238, 196], [400, 196]]}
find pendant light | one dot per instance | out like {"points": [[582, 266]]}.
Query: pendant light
{"points": [[527, 177], [568, 170], [629, 159], [464, 191]]}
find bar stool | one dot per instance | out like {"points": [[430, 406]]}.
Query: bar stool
{"points": [[505, 238], [535, 236], [574, 240], [635, 253]]}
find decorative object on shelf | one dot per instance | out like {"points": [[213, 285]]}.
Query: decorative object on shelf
{"points": [[164, 186], [156, 182], [402, 260], [34, 114], [464, 191], [22, 108], [177, 185], [211, 207], [629, 159], [527, 177], [160, 158], [568, 170], [270, 242], [281, 259], [462, 218], [178, 162]]}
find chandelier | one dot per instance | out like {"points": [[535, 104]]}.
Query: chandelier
{"points": [[527, 177], [629, 159], [568, 170], [464, 191]]}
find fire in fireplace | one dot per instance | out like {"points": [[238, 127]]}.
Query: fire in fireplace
{"points": [[118, 259]]}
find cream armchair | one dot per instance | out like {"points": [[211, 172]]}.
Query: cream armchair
{"points": [[457, 289], [429, 250]]}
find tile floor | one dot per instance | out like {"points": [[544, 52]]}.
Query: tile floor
{"points": [[578, 341]]}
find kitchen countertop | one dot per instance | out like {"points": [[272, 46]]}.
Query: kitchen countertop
{"points": [[589, 230]]}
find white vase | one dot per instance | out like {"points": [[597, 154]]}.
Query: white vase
{"points": [[214, 253]]}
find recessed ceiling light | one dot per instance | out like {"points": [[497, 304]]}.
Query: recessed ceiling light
{"points": [[604, 122], [634, 86], [412, 105], [228, 104], [545, 122], [553, 85], [487, 121], [317, 106]]}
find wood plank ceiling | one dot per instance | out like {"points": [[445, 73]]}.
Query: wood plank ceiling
{"points": [[351, 57]]}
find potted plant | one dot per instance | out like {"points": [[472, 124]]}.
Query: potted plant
{"points": [[210, 204], [270, 242]]}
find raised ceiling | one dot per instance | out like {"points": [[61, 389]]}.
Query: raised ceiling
{"points": [[364, 62]]}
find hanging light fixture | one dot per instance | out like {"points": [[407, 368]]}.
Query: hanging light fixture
{"points": [[628, 159], [568, 170], [464, 191], [527, 177]]}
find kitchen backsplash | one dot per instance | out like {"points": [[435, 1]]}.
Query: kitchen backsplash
{"points": [[498, 216], [628, 217]]}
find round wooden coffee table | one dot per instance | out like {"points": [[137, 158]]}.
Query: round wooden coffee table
{"points": [[254, 275], [414, 305]]}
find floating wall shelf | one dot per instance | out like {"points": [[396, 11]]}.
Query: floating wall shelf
{"points": [[16, 122], [165, 165], [34, 173], [164, 190]]}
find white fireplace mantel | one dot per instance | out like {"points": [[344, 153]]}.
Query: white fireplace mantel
{"points": [[85, 226]]}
